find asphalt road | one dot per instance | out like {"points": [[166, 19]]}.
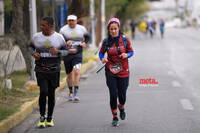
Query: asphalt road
{"points": [[171, 106]]}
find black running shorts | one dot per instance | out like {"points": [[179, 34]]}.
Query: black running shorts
{"points": [[52, 78], [70, 61]]}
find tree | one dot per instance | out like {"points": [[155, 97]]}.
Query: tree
{"points": [[76, 7], [26, 22], [127, 9], [17, 31]]}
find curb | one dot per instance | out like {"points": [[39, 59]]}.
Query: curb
{"points": [[28, 107]]}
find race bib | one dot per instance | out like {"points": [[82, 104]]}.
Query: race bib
{"points": [[74, 46], [115, 68]]}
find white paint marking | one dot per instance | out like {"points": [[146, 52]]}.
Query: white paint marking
{"points": [[176, 84], [186, 104]]}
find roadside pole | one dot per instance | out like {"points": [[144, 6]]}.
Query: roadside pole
{"points": [[103, 19], [33, 24], [92, 18]]}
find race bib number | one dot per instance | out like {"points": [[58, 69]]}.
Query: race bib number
{"points": [[74, 46], [115, 68]]}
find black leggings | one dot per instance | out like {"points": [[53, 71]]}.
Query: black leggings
{"points": [[117, 89], [47, 89]]}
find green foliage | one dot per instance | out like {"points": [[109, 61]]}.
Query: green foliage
{"points": [[126, 9], [137, 9], [112, 6], [19, 78], [7, 5], [5, 110], [10, 100], [86, 2]]}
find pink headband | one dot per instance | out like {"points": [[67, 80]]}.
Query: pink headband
{"points": [[114, 20]]}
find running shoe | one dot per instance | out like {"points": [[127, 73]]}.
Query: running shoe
{"points": [[50, 122], [70, 98], [76, 98], [122, 113], [41, 123], [115, 122]]}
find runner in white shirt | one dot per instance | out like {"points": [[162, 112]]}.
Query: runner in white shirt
{"points": [[47, 47], [76, 37]]}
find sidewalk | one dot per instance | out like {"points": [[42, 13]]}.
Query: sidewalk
{"points": [[27, 108]]}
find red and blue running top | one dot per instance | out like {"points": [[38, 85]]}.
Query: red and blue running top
{"points": [[113, 54]]}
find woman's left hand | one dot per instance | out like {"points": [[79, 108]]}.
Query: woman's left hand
{"points": [[124, 55]]}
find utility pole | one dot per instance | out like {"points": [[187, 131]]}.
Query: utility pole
{"points": [[103, 18], [33, 24], [92, 17]]}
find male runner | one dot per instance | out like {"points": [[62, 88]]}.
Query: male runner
{"points": [[76, 37], [47, 47]]}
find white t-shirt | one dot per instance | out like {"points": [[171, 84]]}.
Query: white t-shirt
{"points": [[41, 41], [75, 34]]}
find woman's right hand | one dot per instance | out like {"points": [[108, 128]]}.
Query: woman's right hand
{"points": [[104, 60]]}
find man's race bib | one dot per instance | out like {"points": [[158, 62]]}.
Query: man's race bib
{"points": [[115, 68], [74, 46]]}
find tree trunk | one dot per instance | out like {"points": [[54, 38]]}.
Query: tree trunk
{"points": [[40, 12], [18, 32], [76, 8], [26, 22]]}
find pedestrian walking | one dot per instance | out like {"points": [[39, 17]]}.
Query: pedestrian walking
{"points": [[154, 23], [76, 37], [118, 49], [47, 47], [162, 28], [133, 24], [150, 28]]}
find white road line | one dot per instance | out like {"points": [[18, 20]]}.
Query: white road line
{"points": [[186, 104], [176, 84]]}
